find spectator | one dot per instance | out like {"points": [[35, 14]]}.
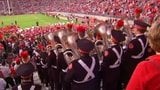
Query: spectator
{"points": [[2, 84], [7, 74], [2, 81]]}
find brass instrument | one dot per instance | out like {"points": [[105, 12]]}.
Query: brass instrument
{"points": [[71, 39], [69, 56], [103, 43], [129, 35], [59, 37], [69, 46], [50, 36], [71, 52], [105, 33]]}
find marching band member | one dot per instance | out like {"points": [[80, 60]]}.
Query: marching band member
{"points": [[37, 60], [146, 75], [52, 69], [26, 70], [112, 61], [137, 50], [44, 68], [83, 73], [53, 66], [62, 68], [61, 63]]}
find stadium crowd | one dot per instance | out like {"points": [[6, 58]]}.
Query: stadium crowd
{"points": [[89, 55], [118, 8]]}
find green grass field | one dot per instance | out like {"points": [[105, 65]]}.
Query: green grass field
{"points": [[29, 20]]}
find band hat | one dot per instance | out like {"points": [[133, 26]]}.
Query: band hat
{"points": [[85, 45]]}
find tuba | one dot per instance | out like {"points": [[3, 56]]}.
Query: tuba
{"points": [[71, 53], [68, 45], [59, 42], [103, 43], [72, 39], [105, 33], [49, 37]]}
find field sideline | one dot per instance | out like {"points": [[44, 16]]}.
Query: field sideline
{"points": [[29, 20]]}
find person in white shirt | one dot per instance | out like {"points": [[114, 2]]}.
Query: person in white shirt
{"points": [[7, 74], [2, 84]]}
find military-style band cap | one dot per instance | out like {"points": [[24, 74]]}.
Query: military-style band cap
{"points": [[85, 45]]}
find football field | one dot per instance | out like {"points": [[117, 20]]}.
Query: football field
{"points": [[29, 20]]}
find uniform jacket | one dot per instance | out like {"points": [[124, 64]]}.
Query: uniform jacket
{"points": [[76, 74], [61, 62], [111, 67], [138, 50], [51, 60]]}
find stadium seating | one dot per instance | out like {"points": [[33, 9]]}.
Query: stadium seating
{"points": [[116, 8]]}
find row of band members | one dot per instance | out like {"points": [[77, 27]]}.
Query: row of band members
{"points": [[87, 73]]}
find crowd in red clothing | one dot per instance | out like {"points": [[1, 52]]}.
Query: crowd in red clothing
{"points": [[96, 7]]}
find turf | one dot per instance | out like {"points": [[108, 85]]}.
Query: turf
{"points": [[29, 20]]}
